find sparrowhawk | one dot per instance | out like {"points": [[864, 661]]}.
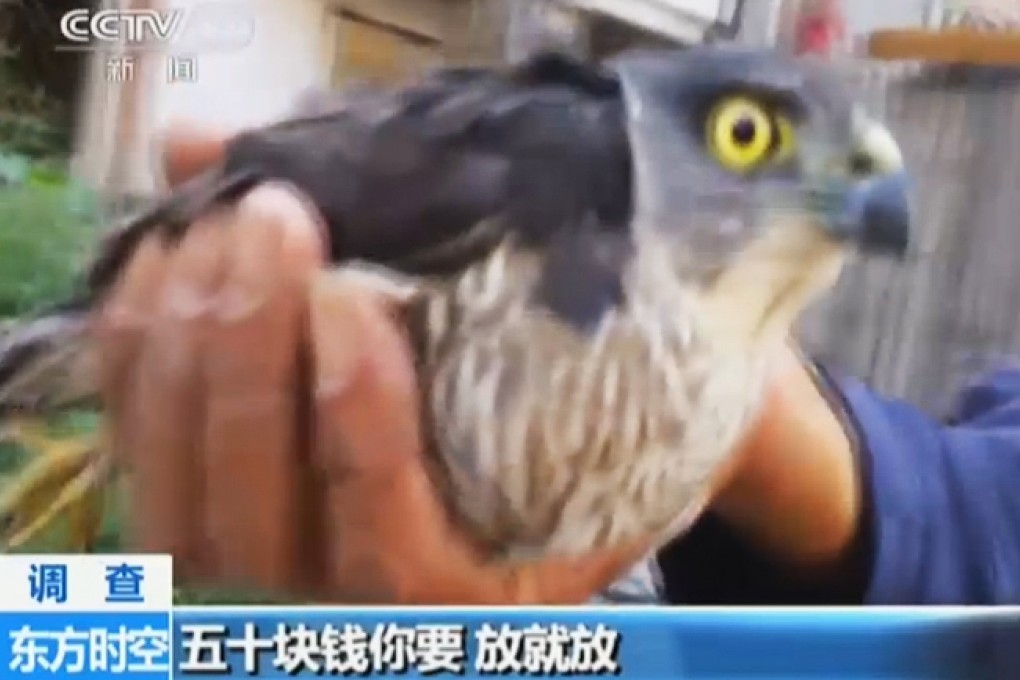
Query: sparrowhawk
{"points": [[597, 259]]}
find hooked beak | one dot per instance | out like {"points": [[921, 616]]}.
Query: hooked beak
{"points": [[876, 211]]}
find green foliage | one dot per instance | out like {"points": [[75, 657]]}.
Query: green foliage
{"points": [[48, 226], [14, 168], [47, 222], [32, 123], [12, 459], [32, 135]]}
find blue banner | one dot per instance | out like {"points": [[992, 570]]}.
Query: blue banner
{"points": [[633, 643], [731, 644], [85, 645]]}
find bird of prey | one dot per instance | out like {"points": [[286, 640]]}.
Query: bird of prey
{"points": [[598, 258]]}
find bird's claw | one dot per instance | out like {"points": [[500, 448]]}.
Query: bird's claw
{"points": [[66, 478]]}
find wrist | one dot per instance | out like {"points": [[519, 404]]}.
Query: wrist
{"points": [[793, 489]]}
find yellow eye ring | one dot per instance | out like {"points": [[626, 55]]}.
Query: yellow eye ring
{"points": [[742, 135], [786, 146]]}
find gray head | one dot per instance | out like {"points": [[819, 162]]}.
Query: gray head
{"points": [[755, 174]]}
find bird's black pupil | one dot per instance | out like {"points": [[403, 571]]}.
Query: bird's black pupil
{"points": [[744, 131]]}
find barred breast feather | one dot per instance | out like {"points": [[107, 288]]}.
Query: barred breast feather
{"points": [[549, 441]]}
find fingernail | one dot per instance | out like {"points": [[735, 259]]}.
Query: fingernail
{"points": [[305, 234], [248, 282], [340, 354], [124, 317], [188, 288], [187, 301], [236, 303], [338, 362]]}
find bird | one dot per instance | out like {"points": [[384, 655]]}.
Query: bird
{"points": [[594, 258]]}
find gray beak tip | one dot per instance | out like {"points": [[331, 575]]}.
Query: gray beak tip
{"points": [[878, 215], [887, 215]]}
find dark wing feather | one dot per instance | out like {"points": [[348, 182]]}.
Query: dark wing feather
{"points": [[408, 178], [424, 179], [194, 197]]}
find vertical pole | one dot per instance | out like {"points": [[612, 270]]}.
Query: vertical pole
{"points": [[760, 25], [538, 25]]}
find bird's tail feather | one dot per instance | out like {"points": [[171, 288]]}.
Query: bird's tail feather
{"points": [[172, 215], [47, 363]]}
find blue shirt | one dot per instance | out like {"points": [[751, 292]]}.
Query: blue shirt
{"points": [[942, 512]]}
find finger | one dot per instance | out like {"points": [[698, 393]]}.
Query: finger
{"points": [[573, 580], [418, 555], [366, 389], [119, 327], [393, 542], [188, 149], [167, 406], [378, 504], [462, 575], [253, 470], [389, 537]]}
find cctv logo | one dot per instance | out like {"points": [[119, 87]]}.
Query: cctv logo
{"points": [[214, 26], [116, 26]]}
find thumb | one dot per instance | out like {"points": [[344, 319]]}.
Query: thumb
{"points": [[366, 391], [388, 526], [189, 148], [573, 580]]}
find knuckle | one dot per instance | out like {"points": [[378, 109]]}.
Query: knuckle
{"points": [[116, 318], [281, 207], [194, 272], [186, 301], [272, 203], [234, 306]]}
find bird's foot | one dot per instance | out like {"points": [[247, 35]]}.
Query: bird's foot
{"points": [[66, 478]]}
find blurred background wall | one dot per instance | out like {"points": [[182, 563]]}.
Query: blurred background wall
{"points": [[300, 44], [907, 329], [296, 45]]}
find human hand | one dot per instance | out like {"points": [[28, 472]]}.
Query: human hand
{"points": [[268, 413], [793, 488]]}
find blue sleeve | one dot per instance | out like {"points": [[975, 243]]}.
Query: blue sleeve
{"points": [[943, 501]]}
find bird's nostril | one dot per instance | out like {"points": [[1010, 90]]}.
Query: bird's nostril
{"points": [[862, 164]]}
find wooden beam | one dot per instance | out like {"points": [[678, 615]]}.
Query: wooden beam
{"points": [[423, 17], [951, 45], [653, 16], [383, 25]]}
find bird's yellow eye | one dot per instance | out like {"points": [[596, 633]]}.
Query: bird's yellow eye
{"points": [[743, 135], [786, 139]]}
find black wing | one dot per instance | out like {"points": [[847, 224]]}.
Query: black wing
{"points": [[409, 178]]}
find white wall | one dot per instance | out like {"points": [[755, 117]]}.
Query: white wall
{"points": [[759, 23], [864, 16], [684, 20], [761, 17], [256, 83]]}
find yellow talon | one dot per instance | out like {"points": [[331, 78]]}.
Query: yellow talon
{"points": [[85, 520], [30, 433], [67, 478]]}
